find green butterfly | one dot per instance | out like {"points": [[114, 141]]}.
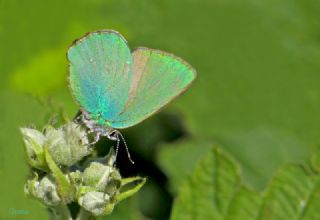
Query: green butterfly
{"points": [[117, 88]]}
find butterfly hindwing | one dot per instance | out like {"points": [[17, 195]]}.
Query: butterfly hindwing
{"points": [[100, 74], [158, 77]]}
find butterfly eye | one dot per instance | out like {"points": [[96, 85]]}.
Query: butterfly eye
{"points": [[113, 135]]}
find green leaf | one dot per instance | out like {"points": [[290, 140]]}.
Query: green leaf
{"points": [[44, 73], [184, 155], [208, 192], [315, 159], [292, 194], [244, 205], [131, 186], [214, 191], [65, 188]]}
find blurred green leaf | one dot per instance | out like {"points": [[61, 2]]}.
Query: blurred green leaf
{"points": [[214, 191], [43, 74], [315, 159], [208, 192], [178, 160], [276, 147]]}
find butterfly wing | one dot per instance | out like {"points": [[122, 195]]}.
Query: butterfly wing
{"points": [[100, 73], [158, 77]]}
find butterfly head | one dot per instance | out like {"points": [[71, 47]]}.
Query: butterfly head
{"points": [[111, 134]]}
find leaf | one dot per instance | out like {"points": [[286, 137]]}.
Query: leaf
{"points": [[44, 72], [132, 185], [65, 188], [214, 191], [315, 159], [208, 192], [244, 205], [292, 194], [184, 155]]}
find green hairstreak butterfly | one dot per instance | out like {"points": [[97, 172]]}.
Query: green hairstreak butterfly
{"points": [[118, 88]]}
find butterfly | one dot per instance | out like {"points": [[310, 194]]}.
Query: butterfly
{"points": [[118, 88]]}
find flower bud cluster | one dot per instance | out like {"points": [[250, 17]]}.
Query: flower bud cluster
{"points": [[59, 178]]}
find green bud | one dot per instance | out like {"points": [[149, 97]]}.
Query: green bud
{"points": [[44, 190], [101, 176], [68, 144], [97, 176], [97, 203], [34, 141]]}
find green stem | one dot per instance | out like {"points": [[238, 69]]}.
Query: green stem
{"points": [[60, 212], [84, 215]]}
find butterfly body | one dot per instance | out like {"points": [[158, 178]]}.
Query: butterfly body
{"points": [[97, 128], [117, 88]]}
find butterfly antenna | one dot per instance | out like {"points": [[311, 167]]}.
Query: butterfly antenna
{"points": [[125, 144], [118, 144]]}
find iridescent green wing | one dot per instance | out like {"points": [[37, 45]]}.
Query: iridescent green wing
{"points": [[100, 74], [158, 77]]}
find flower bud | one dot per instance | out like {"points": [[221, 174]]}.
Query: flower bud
{"points": [[34, 141], [68, 144], [98, 203], [102, 175], [97, 186], [97, 176], [44, 190]]}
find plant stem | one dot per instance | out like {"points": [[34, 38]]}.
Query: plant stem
{"points": [[60, 212], [84, 215]]}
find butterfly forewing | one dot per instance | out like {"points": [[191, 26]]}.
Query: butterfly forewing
{"points": [[100, 74]]}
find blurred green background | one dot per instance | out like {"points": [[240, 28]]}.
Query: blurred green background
{"points": [[257, 93]]}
